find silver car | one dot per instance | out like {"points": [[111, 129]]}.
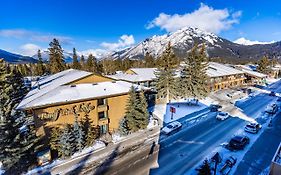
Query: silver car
{"points": [[252, 128]]}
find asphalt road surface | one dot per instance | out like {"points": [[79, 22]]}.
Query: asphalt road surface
{"points": [[184, 150]]}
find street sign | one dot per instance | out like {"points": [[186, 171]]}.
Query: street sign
{"points": [[172, 109]]}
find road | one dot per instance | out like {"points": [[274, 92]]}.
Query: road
{"points": [[184, 150], [260, 155]]}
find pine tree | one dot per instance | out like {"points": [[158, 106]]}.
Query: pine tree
{"points": [[263, 65], [66, 147], [142, 106], [202, 77], [166, 83], [91, 64], [78, 134], [193, 77], [82, 62], [149, 60], [75, 64], [16, 149], [91, 133], [133, 117], [123, 127], [55, 137], [205, 169], [56, 59], [40, 70]]}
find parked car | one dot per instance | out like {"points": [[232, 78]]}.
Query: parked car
{"points": [[272, 93], [214, 108], [271, 109], [172, 127], [252, 128], [222, 115], [238, 143]]}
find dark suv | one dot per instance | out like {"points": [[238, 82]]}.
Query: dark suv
{"points": [[238, 143]]}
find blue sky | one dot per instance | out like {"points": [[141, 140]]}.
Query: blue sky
{"points": [[97, 26]]}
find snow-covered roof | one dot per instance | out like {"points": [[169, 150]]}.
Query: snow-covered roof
{"points": [[72, 93], [254, 73], [141, 74], [218, 70], [50, 83]]}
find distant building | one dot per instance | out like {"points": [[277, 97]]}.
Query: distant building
{"points": [[140, 76], [57, 99], [275, 167], [252, 76], [223, 76]]}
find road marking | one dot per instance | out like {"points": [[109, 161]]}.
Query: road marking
{"points": [[190, 142]]}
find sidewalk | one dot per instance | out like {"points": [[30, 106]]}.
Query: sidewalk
{"points": [[96, 157], [261, 153]]}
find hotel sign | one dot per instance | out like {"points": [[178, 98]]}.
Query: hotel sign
{"points": [[82, 108]]}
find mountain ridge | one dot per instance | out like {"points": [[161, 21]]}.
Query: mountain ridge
{"points": [[184, 39]]}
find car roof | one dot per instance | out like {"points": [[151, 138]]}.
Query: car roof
{"points": [[174, 123], [238, 138]]}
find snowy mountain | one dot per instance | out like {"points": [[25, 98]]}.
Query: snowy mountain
{"points": [[184, 39], [15, 58], [45, 56]]}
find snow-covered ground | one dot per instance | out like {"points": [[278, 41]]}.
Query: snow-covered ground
{"points": [[182, 109]]}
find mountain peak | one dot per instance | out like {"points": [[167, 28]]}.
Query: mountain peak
{"points": [[184, 39]]}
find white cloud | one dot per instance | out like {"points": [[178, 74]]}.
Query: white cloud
{"points": [[124, 41], [15, 33], [245, 41], [205, 18], [98, 53], [34, 36], [29, 49]]}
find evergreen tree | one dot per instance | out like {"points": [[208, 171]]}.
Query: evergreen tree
{"points": [[91, 64], [166, 83], [78, 134], [40, 70], [123, 127], [66, 147], [134, 119], [55, 137], [202, 89], [56, 59], [205, 169], [142, 106], [16, 148], [149, 60], [82, 62], [193, 77], [75, 64], [263, 65], [91, 133]]}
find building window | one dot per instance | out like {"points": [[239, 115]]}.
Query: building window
{"points": [[101, 101], [102, 115], [103, 129]]}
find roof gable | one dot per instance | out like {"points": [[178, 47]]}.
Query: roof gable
{"points": [[52, 82]]}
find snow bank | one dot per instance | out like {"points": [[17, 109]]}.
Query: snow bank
{"points": [[117, 137], [96, 146], [1, 170], [182, 109]]}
